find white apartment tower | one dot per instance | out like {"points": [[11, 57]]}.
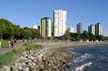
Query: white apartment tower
{"points": [[91, 29], [59, 25]]}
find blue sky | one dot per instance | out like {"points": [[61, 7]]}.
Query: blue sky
{"points": [[28, 12]]}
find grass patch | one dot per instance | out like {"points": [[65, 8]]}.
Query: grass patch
{"points": [[4, 43], [7, 58], [10, 57], [32, 46]]}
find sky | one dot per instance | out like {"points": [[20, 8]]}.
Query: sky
{"points": [[28, 12]]}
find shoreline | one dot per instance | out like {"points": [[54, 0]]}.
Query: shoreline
{"points": [[46, 59], [51, 57]]}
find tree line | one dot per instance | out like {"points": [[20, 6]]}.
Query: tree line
{"points": [[84, 36], [8, 30]]}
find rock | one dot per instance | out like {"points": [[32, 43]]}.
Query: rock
{"points": [[25, 69], [14, 68], [44, 60], [6, 68]]}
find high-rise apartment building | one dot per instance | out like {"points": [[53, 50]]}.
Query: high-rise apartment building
{"points": [[80, 28], [98, 29], [59, 24], [46, 27], [91, 29]]}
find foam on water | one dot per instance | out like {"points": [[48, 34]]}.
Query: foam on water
{"points": [[80, 61], [82, 67], [82, 58], [89, 59]]}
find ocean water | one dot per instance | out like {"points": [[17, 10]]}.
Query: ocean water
{"points": [[89, 58]]}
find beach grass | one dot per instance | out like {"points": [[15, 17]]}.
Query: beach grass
{"points": [[10, 57], [4, 43], [7, 58]]}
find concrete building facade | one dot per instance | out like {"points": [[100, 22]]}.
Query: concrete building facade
{"points": [[79, 28], [46, 27], [59, 22]]}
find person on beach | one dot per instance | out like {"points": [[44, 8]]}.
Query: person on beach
{"points": [[12, 43]]}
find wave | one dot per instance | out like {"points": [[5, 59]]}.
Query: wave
{"points": [[82, 58], [82, 67], [89, 59]]}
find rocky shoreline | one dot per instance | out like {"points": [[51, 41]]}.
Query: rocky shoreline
{"points": [[46, 59], [50, 58]]}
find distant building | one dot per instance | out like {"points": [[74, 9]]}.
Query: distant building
{"points": [[46, 27], [80, 28], [72, 30], [98, 29], [35, 26], [91, 29], [60, 21]]}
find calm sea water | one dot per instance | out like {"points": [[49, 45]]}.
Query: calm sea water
{"points": [[89, 58]]}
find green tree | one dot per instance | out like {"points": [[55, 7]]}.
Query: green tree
{"points": [[7, 28], [99, 37], [67, 34], [84, 35], [91, 37], [10, 31]]}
